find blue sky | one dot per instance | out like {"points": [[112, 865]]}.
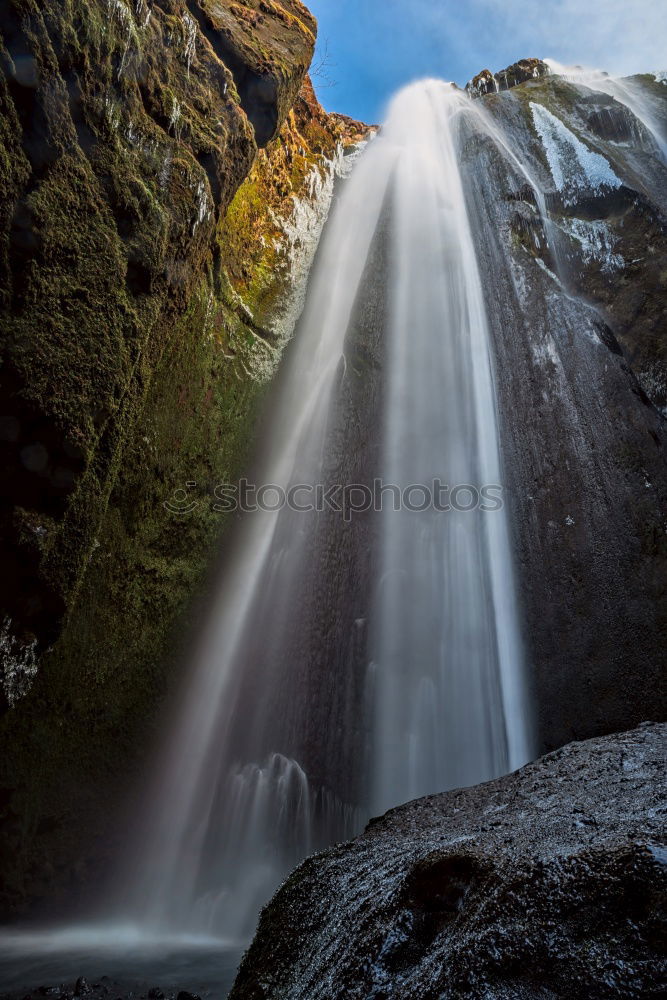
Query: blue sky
{"points": [[376, 46]]}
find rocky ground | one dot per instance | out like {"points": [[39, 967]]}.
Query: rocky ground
{"points": [[106, 989], [547, 883]]}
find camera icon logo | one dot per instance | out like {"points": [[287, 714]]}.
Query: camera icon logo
{"points": [[180, 503]]}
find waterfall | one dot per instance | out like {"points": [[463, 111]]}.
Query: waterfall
{"points": [[624, 90], [232, 811], [447, 671], [282, 744]]}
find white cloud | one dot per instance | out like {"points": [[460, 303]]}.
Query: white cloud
{"points": [[622, 36]]}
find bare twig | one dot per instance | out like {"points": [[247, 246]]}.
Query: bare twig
{"points": [[321, 68]]}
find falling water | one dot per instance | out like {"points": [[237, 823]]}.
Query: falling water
{"points": [[626, 91], [447, 671], [264, 765], [233, 809]]}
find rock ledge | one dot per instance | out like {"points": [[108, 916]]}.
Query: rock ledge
{"points": [[519, 72]]}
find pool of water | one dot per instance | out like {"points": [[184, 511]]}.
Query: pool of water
{"points": [[128, 963]]}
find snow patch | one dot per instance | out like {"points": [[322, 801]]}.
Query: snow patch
{"points": [[574, 167]]}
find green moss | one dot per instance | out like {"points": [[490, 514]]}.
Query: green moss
{"points": [[99, 687]]}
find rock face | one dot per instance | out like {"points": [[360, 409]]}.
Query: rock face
{"points": [[576, 307], [167, 169], [543, 884], [487, 82], [126, 130]]}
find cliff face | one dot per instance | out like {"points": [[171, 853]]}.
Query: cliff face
{"points": [[577, 316], [168, 169], [543, 884], [127, 129]]}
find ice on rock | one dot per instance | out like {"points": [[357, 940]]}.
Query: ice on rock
{"points": [[574, 167], [175, 118], [203, 207], [301, 232], [118, 11], [596, 242], [550, 274], [143, 12], [653, 382], [545, 352], [626, 91], [190, 27], [112, 113]]}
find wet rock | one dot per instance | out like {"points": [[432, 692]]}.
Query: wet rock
{"points": [[545, 883], [102, 990], [519, 72], [584, 455]]}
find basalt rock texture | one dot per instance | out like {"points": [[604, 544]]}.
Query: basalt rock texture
{"points": [[167, 170], [548, 883], [571, 234]]}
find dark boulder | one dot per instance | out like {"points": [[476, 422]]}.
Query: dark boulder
{"points": [[546, 883]]}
